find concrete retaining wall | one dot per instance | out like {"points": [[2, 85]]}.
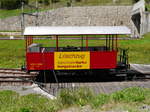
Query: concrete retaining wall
{"points": [[146, 24], [76, 16]]}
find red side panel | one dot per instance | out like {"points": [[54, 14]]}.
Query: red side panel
{"points": [[103, 60], [40, 61], [98, 60]]}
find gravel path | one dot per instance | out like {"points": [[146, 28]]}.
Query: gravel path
{"points": [[25, 90]]}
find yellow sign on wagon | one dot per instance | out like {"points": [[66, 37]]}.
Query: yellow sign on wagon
{"points": [[71, 60]]}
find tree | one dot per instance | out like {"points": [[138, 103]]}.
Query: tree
{"points": [[11, 4], [46, 2], [134, 1], [78, 0], [147, 1], [55, 1]]}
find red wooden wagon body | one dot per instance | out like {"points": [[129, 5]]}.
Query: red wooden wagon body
{"points": [[83, 57]]}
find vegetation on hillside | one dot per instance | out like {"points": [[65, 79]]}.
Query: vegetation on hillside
{"points": [[147, 7], [52, 4], [15, 5], [129, 99]]}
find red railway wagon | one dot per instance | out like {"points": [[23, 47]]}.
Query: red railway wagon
{"points": [[82, 57]]}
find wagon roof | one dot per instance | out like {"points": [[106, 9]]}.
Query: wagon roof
{"points": [[76, 30]]}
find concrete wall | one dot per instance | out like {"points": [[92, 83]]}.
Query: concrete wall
{"points": [[141, 18], [146, 24], [148, 21], [76, 16]]}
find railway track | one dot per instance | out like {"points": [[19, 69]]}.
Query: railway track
{"points": [[16, 77], [9, 77]]}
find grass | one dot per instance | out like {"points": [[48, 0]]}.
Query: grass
{"points": [[15, 12], [7, 31], [12, 102], [13, 51], [62, 3], [138, 49], [131, 99], [9, 13]]}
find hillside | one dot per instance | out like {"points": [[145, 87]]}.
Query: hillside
{"points": [[62, 3]]}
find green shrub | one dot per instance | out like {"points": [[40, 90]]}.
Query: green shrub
{"points": [[100, 100], [25, 110], [66, 97], [84, 96], [78, 97], [133, 94]]}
